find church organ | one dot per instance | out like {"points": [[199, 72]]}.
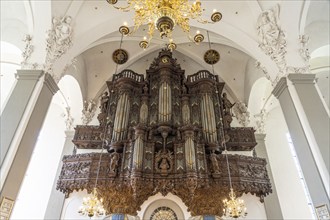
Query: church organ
{"points": [[164, 133]]}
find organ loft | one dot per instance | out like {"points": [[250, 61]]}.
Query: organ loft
{"points": [[164, 132]]}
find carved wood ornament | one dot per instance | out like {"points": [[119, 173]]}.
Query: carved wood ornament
{"points": [[164, 134]]}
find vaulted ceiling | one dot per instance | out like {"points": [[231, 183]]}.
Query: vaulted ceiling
{"points": [[95, 28]]}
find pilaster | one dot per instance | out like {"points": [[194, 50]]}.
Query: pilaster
{"points": [[314, 181], [272, 203], [16, 106], [315, 111], [57, 198], [27, 143]]}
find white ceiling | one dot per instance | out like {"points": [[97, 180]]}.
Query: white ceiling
{"points": [[95, 28]]}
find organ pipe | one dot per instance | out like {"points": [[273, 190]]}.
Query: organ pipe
{"points": [[121, 119], [165, 103], [208, 119]]}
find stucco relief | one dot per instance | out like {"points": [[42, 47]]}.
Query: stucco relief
{"points": [[260, 121], [304, 52], [68, 119], [271, 37], [59, 40], [88, 111], [242, 114], [28, 49], [292, 69]]}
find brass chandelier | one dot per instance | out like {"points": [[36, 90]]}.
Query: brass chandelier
{"points": [[92, 206], [164, 15], [233, 207]]}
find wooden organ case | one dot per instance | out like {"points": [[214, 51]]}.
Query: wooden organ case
{"points": [[164, 133]]}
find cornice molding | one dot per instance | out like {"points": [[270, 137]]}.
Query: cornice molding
{"points": [[29, 74], [280, 86], [50, 83], [297, 78]]}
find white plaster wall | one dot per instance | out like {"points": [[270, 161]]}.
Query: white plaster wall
{"points": [[35, 190], [252, 74], [10, 59], [290, 190]]}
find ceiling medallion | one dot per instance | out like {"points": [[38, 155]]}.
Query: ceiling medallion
{"points": [[120, 56], [211, 56], [164, 15]]}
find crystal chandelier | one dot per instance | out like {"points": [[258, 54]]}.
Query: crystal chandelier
{"points": [[234, 207], [164, 15], [92, 206]]}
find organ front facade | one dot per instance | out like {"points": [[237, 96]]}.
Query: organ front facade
{"points": [[164, 132]]}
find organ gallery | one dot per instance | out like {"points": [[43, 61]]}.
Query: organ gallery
{"points": [[164, 132]]}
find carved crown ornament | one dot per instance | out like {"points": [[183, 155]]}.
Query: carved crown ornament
{"points": [[164, 133]]}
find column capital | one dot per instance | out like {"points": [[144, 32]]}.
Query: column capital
{"points": [[298, 78], [50, 83], [29, 74], [280, 86]]}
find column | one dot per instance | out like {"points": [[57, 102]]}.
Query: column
{"points": [[56, 199], [16, 106], [29, 138], [315, 111], [315, 184], [272, 203]]}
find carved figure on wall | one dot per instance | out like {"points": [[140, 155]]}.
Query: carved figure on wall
{"points": [[63, 31], [227, 105], [104, 102], [268, 29], [145, 88], [215, 164], [164, 166], [27, 50], [242, 114], [114, 162], [144, 113], [271, 37], [184, 89], [164, 162], [88, 111]]}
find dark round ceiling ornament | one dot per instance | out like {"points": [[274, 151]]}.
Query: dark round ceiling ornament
{"points": [[211, 56], [120, 56]]}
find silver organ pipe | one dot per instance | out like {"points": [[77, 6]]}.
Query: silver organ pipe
{"points": [[165, 103], [121, 120], [190, 150], [138, 152], [208, 119]]}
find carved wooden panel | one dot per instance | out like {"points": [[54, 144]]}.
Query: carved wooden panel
{"points": [[202, 195], [172, 131]]}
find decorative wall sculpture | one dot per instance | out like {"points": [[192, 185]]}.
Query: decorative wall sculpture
{"points": [[164, 133], [272, 37], [59, 40]]}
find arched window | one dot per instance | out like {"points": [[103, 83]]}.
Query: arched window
{"points": [[163, 213], [9, 63]]}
